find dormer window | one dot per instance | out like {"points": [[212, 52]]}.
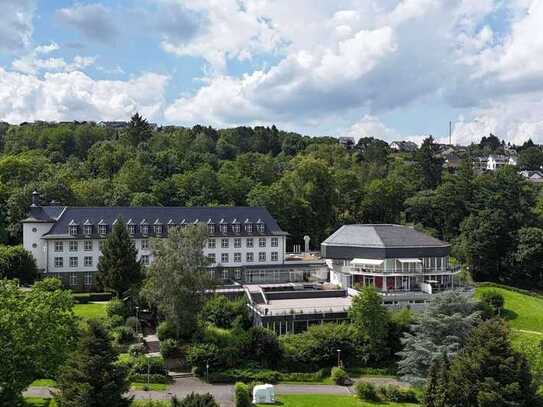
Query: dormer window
{"points": [[260, 226], [73, 228], [131, 230], [249, 227], [158, 230], [144, 227], [224, 228], [171, 225], [87, 228], [102, 229], [210, 228], [236, 228]]}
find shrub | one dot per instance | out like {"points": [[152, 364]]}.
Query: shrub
{"points": [[115, 321], [222, 312], [168, 348], [136, 349], [116, 307], [394, 393], [156, 365], [366, 391], [245, 375], [124, 335], [166, 330], [493, 299], [134, 323], [339, 376], [198, 355], [195, 400], [261, 345], [243, 397]]}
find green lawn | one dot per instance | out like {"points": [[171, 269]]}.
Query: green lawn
{"points": [[327, 400], [91, 310], [150, 387], [43, 383], [524, 312], [39, 402]]}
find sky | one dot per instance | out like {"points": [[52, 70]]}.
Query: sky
{"points": [[391, 69]]}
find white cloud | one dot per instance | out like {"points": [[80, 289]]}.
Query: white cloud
{"points": [[371, 126], [76, 96], [33, 62], [16, 24]]}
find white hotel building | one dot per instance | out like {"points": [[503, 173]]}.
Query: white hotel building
{"points": [[245, 244]]}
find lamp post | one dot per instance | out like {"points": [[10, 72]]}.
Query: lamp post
{"points": [[207, 371], [339, 358], [138, 318]]}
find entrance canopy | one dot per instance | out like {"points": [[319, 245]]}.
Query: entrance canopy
{"points": [[410, 261], [366, 262]]}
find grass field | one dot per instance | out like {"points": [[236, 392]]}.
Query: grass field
{"points": [[150, 387], [39, 402], [327, 400], [43, 383], [90, 310]]}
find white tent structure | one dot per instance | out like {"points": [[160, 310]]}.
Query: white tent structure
{"points": [[264, 394]]}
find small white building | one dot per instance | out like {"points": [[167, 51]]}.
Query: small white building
{"points": [[497, 161], [264, 394]]}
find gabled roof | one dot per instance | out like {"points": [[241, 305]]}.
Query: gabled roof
{"points": [[381, 236]]}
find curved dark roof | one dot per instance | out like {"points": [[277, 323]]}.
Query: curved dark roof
{"points": [[381, 236], [163, 215]]}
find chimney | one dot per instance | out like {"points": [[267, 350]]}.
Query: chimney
{"points": [[35, 199]]}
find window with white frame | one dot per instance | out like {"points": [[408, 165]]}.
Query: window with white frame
{"points": [[73, 262], [145, 230], [73, 245], [59, 262], [87, 245], [249, 227], [262, 256], [88, 230], [262, 242], [237, 242], [249, 242], [73, 230], [88, 279], [236, 227], [225, 274], [224, 258], [102, 229], [237, 257], [224, 243], [158, 230], [210, 228], [274, 242], [145, 260], [145, 244], [274, 256], [237, 274], [224, 228], [211, 243], [131, 229], [59, 246], [260, 227], [211, 257], [250, 257], [87, 261], [73, 279]]}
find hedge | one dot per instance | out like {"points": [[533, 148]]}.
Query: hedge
{"points": [[243, 396], [153, 378], [84, 298], [267, 376]]}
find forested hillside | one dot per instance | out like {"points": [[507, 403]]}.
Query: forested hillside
{"points": [[311, 185]]}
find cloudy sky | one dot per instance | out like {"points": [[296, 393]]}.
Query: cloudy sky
{"points": [[384, 68]]}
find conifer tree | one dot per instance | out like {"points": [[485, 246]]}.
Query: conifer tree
{"points": [[118, 269], [435, 391], [91, 377], [489, 373]]}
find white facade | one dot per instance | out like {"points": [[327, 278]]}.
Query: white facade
{"points": [[497, 161]]}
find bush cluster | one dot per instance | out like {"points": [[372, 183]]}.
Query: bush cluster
{"points": [[242, 394], [166, 330], [153, 378], [168, 348], [388, 392], [339, 376]]}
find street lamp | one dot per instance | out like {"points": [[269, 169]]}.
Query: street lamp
{"points": [[207, 371], [138, 318], [339, 358]]}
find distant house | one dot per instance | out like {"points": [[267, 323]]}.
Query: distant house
{"points": [[497, 161], [404, 146], [532, 176], [451, 161], [347, 142], [113, 124]]}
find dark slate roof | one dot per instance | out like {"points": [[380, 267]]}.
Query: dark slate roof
{"points": [[163, 215], [44, 213], [381, 236]]}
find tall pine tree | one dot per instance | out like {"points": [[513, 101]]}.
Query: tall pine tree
{"points": [[118, 269], [489, 373], [91, 377], [435, 391]]}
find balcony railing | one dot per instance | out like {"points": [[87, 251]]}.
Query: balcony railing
{"points": [[398, 270]]}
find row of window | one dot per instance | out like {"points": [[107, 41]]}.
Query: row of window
{"points": [[145, 229], [249, 242], [249, 257], [73, 262], [88, 245]]}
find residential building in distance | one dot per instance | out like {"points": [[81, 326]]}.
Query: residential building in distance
{"points": [[533, 176], [406, 266], [347, 142], [497, 161], [404, 146], [245, 244]]}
